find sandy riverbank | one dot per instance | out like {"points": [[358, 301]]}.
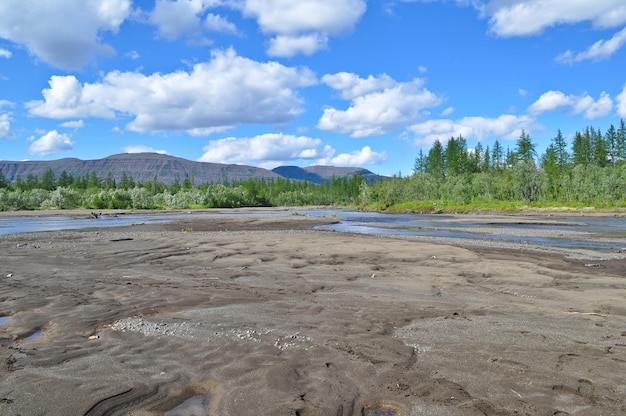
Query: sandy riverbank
{"points": [[252, 315]]}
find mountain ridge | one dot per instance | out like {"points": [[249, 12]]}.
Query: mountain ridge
{"points": [[144, 167]]}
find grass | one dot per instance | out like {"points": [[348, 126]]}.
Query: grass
{"points": [[507, 207]]}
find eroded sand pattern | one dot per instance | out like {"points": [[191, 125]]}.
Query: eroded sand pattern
{"points": [[264, 316]]}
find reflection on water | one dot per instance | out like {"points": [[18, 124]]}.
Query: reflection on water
{"points": [[34, 336], [194, 406], [380, 412], [3, 319], [613, 229]]}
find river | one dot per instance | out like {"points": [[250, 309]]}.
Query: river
{"points": [[578, 232]]}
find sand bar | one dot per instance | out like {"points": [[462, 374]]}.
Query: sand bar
{"points": [[262, 315]]}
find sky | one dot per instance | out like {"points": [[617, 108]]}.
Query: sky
{"points": [[266, 83]]}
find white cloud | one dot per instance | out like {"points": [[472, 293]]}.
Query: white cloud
{"points": [[553, 100], [379, 105], [203, 132], [267, 150], [287, 46], [365, 156], [602, 49], [6, 103], [447, 111], [64, 34], [178, 17], [294, 17], [530, 17], [50, 143], [138, 148], [549, 101], [4, 53], [68, 98], [621, 103], [5, 126], [134, 55], [217, 23], [226, 91], [600, 108], [77, 124], [304, 22], [351, 85], [506, 126]]}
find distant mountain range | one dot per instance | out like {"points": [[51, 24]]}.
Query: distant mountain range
{"points": [[320, 174], [145, 166]]}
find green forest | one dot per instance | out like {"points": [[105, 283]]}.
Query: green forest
{"points": [[589, 172]]}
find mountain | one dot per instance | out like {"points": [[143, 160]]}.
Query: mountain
{"points": [[144, 167], [319, 174], [140, 166], [297, 173]]}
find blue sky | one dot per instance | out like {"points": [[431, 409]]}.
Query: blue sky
{"points": [[307, 82]]}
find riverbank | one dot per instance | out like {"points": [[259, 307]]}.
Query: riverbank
{"points": [[525, 211], [255, 314]]}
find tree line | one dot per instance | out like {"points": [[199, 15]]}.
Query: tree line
{"points": [[90, 191], [591, 171]]}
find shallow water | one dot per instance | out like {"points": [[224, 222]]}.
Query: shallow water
{"points": [[18, 225], [380, 412], [613, 229], [34, 336], [194, 406]]}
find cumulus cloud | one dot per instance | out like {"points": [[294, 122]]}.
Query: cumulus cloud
{"points": [[68, 98], [4, 53], [379, 105], [352, 86], [530, 17], [506, 126], [600, 108], [175, 18], [303, 26], [267, 150], [65, 34], [554, 100], [294, 17], [139, 148], [365, 156], [226, 91], [621, 103], [602, 49], [50, 143], [217, 23], [5, 126]]}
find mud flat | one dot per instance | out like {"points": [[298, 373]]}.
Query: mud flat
{"points": [[262, 315]]}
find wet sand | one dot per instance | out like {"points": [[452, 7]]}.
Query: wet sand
{"points": [[262, 315]]}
